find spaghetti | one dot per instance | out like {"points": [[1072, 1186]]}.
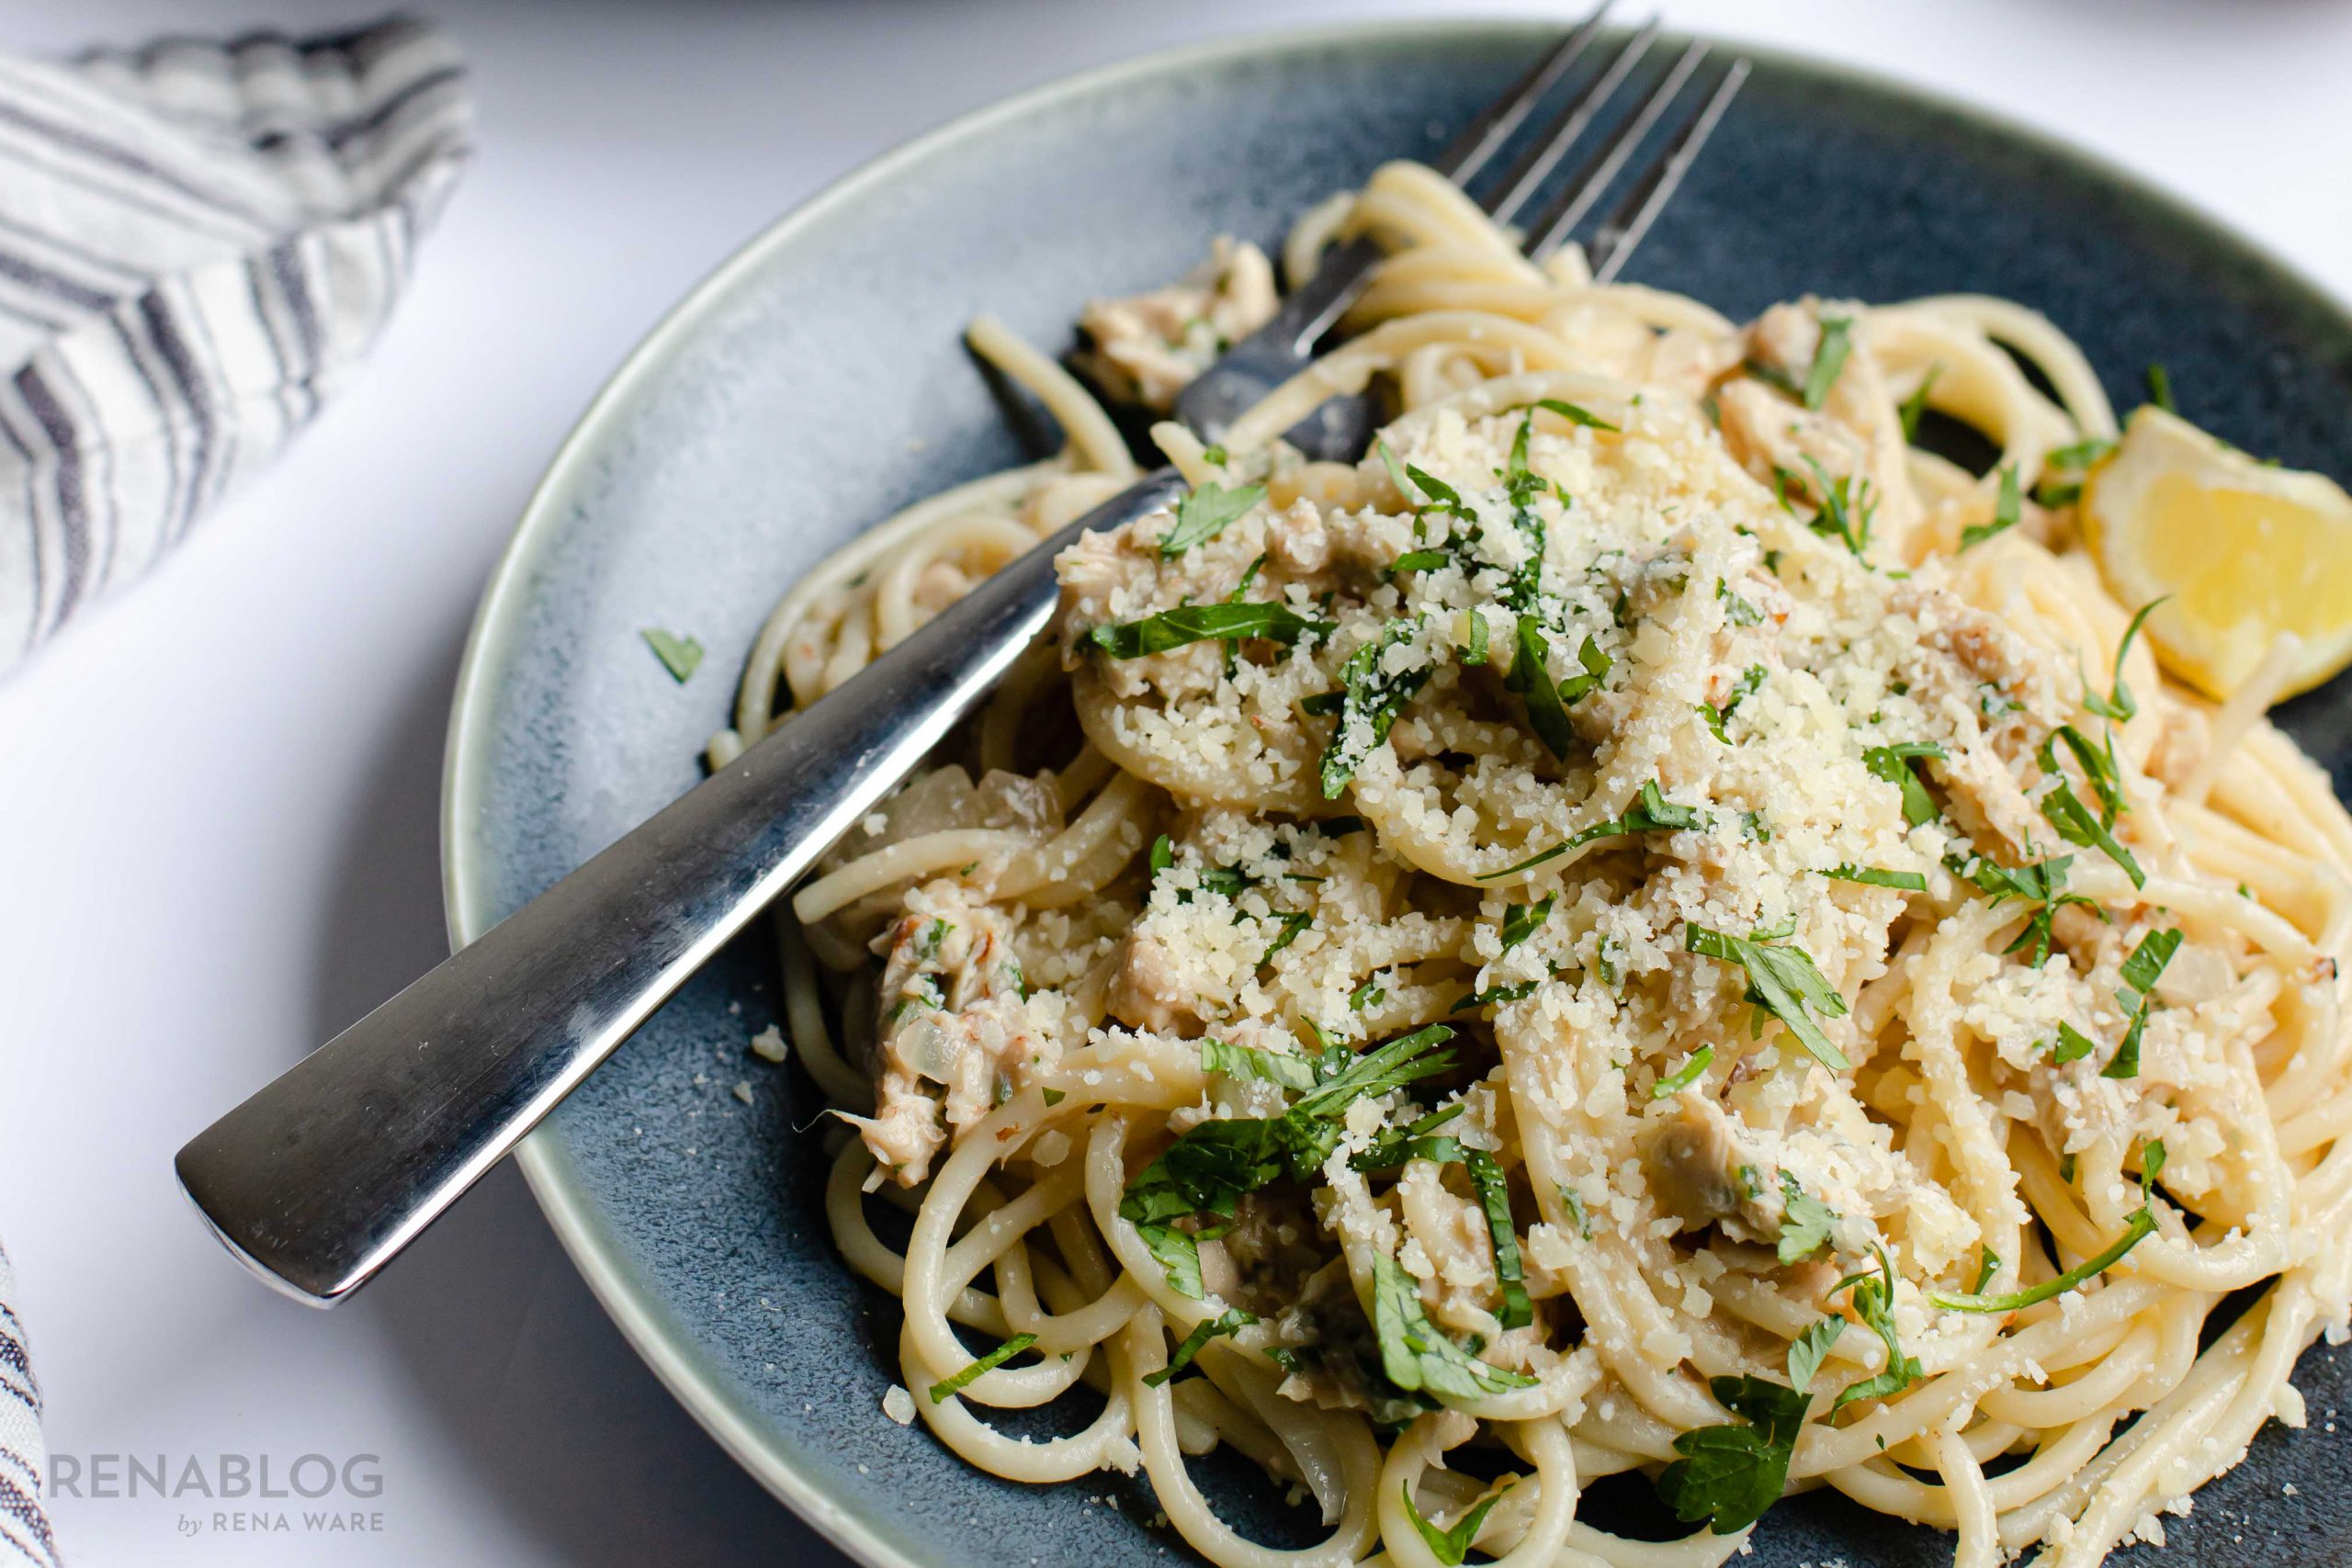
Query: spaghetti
{"points": [[1652, 923]]}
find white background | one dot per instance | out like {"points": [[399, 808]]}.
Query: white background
{"points": [[217, 792]]}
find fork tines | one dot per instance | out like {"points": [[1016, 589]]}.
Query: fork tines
{"points": [[1604, 165]]}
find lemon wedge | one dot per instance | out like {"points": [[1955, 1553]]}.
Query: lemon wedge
{"points": [[2245, 551]]}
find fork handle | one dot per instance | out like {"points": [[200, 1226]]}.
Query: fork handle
{"points": [[320, 1178]]}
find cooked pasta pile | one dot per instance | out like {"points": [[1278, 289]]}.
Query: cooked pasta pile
{"points": [[1650, 924]]}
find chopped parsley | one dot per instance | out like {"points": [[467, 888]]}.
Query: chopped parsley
{"points": [[1737, 610], [1292, 923], [1231, 1321], [1416, 1141], [2136, 1229], [2160, 388], [1522, 921], [1897, 765], [2006, 511], [1547, 701], [1211, 1166], [2075, 821], [988, 1363], [1988, 1266], [1370, 696], [2071, 1046], [1451, 1545], [2141, 972], [1474, 651], [2040, 883], [2118, 704], [1783, 982], [1494, 1199], [1751, 679], [2073, 461], [1873, 1303], [1682, 1077], [1651, 813], [1203, 513], [1417, 560], [1518, 990], [1417, 1356], [1294, 1073], [1828, 360], [1189, 623], [1574, 415], [1806, 1222], [1371, 994], [1902, 880], [1846, 510], [1916, 403], [681, 656]]}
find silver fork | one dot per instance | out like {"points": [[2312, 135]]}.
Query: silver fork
{"points": [[323, 1176]]}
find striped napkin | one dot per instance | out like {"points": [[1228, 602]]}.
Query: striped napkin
{"points": [[199, 240], [24, 1523], [197, 243]]}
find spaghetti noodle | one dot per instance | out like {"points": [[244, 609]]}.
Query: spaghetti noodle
{"points": [[1651, 924]]}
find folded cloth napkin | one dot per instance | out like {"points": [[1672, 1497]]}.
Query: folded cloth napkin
{"points": [[197, 243], [24, 1462]]}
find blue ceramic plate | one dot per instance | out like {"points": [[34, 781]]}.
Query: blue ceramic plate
{"points": [[816, 382]]}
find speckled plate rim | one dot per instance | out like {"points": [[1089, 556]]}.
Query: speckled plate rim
{"points": [[500, 620]]}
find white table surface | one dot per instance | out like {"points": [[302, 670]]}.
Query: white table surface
{"points": [[219, 789]]}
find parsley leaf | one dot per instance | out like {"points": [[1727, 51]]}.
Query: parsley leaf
{"points": [[1548, 701], [1574, 415], [1203, 513], [2073, 819], [1903, 881], [1493, 1197], [1846, 510], [1732, 1475], [1231, 1321], [1873, 1302], [2004, 512], [1417, 560], [1452, 1545], [1751, 679], [988, 1363], [1916, 403], [1294, 1073], [1682, 1077], [1522, 921], [1781, 981], [1205, 623], [2073, 461], [681, 656], [1651, 813], [1292, 923], [2139, 974], [1739, 611], [1895, 765], [1370, 699], [1418, 1357], [2040, 883], [2072, 1045], [1805, 1352], [1805, 1220], [2118, 704], [1729, 1475], [1474, 651], [1209, 1168], [2135, 1230], [1828, 360]]}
